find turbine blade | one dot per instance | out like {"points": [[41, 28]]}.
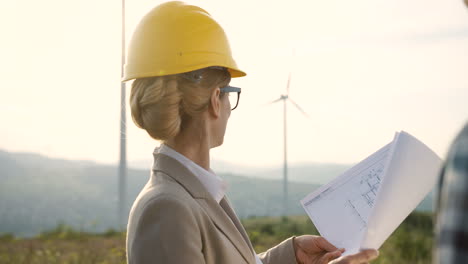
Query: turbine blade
{"points": [[298, 107], [274, 101], [289, 82]]}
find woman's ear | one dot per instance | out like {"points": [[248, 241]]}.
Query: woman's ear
{"points": [[215, 107]]}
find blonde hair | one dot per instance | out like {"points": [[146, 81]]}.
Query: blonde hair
{"points": [[163, 105]]}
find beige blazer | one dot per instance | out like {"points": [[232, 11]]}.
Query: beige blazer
{"points": [[175, 220]]}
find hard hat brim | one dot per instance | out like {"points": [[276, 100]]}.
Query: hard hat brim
{"points": [[235, 73]]}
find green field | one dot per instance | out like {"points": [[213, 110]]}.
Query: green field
{"points": [[410, 243]]}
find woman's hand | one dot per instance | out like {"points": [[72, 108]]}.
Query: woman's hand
{"points": [[315, 250], [362, 257]]}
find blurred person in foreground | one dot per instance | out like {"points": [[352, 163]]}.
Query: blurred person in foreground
{"points": [[451, 220], [181, 63], [451, 245]]}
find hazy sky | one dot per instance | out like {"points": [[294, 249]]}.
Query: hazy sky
{"points": [[361, 69]]}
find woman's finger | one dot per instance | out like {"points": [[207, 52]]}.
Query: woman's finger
{"points": [[322, 243], [330, 256], [364, 256]]}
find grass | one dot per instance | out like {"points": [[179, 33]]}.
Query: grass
{"points": [[410, 243], [65, 246]]}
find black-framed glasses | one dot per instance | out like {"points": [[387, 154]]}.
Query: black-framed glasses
{"points": [[233, 99]]}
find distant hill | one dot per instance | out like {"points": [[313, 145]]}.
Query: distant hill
{"points": [[37, 193], [316, 173]]}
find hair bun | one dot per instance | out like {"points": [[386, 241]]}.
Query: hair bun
{"points": [[162, 105], [155, 104]]}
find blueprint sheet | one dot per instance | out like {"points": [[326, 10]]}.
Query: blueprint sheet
{"points": [[364, 205], [340, 209], [412, 173]]}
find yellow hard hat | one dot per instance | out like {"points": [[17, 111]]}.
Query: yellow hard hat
{"points": [[175, 37]]}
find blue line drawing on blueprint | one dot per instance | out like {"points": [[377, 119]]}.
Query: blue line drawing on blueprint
{"points": [[361, 199]]}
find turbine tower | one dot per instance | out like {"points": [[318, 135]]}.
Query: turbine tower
{"points": [[123, 142], [285, 98]]}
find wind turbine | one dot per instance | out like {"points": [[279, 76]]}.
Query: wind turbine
{"points": [[123, 140], [285, 98]]}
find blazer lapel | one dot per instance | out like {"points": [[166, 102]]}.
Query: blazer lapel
{"points": [[226, 225], [226, 205], [220, 217]]}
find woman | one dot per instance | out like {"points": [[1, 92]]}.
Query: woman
{"points": [[181, 61]]}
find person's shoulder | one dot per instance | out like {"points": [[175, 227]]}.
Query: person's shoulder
{"points": [[459, 148], [463, 135], [162, 213], [169, 204], [161, 194], [164, 190]]}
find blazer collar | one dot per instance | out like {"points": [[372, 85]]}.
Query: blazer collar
{"points": [[217, 214], [181, 174]]}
